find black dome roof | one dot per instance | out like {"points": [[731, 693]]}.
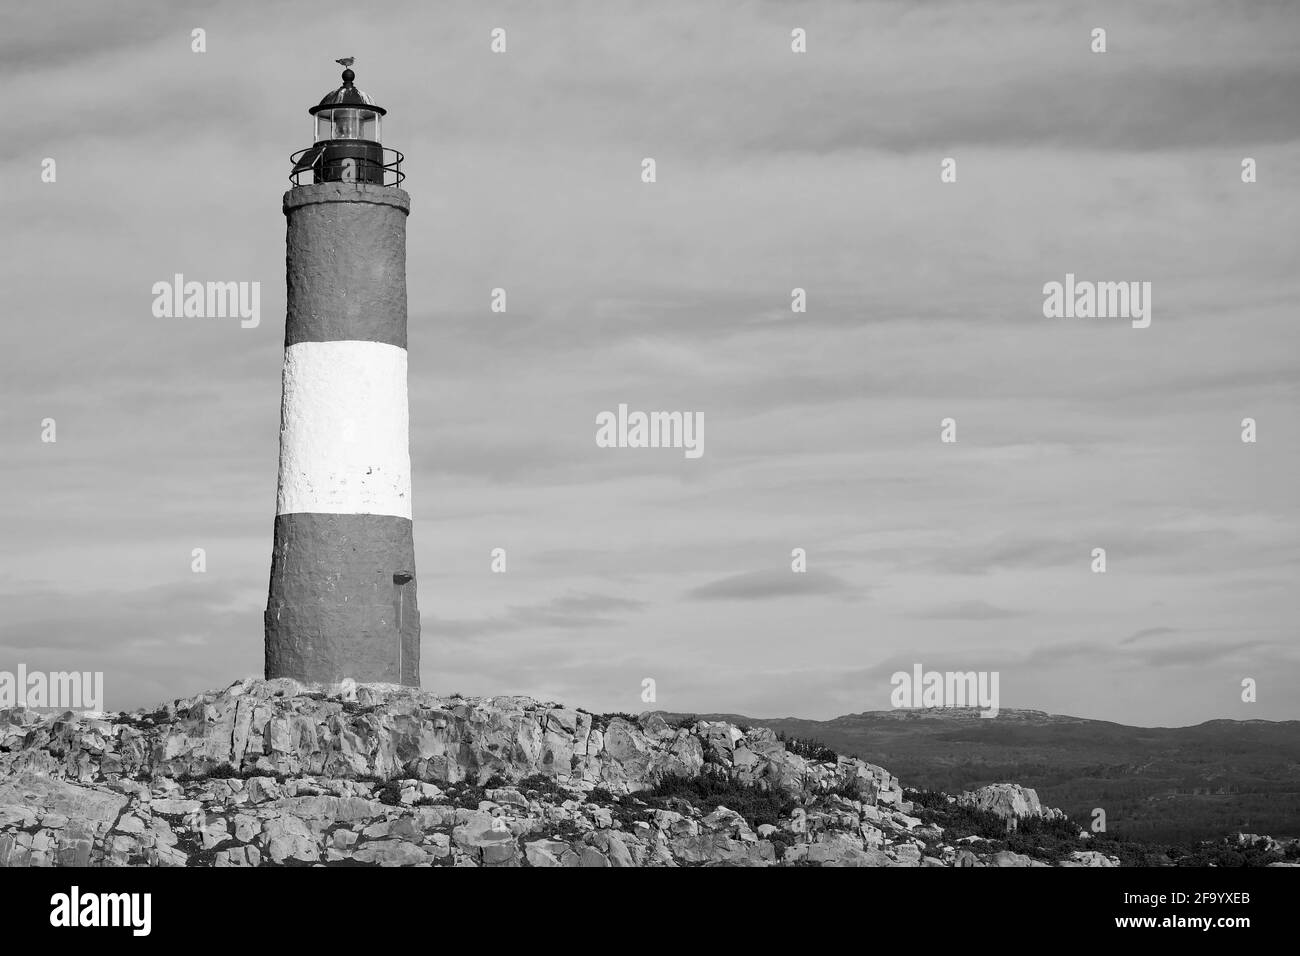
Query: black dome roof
{"points": [[347, 95]]}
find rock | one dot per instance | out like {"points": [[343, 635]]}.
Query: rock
{"points": [[501, 854], [889, 797], [287, 838], [261, 788], [331, 808], [545, 852], [484, 840], [17, 816], [238, 856], [907, 854], [166, 856], [246, 827], [439, 846], [614, 847], [727, 821], [655, 727], [175, 807], [390, 853], [837, 850], [94, 808], [376, 831], [1009, 801], [508, 796], [1091, 858], [716, 848], [214, 832]]}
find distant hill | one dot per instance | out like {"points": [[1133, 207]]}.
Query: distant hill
{"points": [[1163, 784]]}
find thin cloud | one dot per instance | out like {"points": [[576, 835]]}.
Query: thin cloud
{"points": [[768, 585], [567, 612], [968, 611], [1148, 632]]}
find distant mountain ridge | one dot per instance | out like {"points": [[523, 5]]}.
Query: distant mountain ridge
{"points": [[1164, 784]]}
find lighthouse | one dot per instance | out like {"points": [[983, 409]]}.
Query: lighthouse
{"points": [[342, 603]]}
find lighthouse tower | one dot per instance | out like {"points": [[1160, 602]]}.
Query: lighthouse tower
{"points": [[342, 596]]}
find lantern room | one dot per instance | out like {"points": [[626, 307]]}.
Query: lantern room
{"points": [[347, 122], [347, 140], [347, 113]]}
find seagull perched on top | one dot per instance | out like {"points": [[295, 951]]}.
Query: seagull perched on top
{"points": [[346, 61]]}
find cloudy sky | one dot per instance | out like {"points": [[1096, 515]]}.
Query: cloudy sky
{"points": [[775, 170]]}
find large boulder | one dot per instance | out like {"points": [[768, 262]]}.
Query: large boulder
{"points": [[1008, 801]]}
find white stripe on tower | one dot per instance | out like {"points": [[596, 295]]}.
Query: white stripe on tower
{"points": [[344, 433]]}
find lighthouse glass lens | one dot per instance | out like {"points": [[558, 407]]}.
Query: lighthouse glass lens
{"points": [[347, 124]]}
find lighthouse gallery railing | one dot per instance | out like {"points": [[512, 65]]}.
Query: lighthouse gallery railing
{"points": [[318, 161]]}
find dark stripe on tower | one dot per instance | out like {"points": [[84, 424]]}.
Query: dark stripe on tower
{"points": [[346, 258], [334, 605]]}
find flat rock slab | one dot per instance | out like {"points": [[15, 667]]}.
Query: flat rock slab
{"points": [[95, 809]]}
